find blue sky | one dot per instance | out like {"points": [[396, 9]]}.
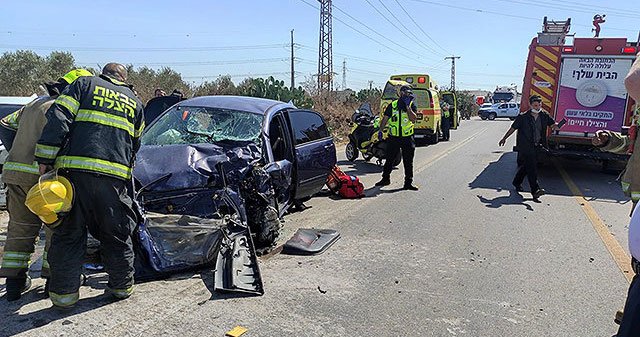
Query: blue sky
{"points": [[204, 39]]}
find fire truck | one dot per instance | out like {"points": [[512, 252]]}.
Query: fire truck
{"points": [[582, 83]]}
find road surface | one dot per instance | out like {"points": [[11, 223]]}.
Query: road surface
{"points": [[464, 256]]}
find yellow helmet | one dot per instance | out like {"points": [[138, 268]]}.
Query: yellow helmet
{"points": [[50, 197], [73, 75]]}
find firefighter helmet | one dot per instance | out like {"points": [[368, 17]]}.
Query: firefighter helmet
{"points": [[50, 198]]}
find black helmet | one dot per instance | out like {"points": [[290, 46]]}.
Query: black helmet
{"points": [[406, 88]]}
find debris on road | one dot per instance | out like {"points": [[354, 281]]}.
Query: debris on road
{"points": [[309, 241], [236, 332]]}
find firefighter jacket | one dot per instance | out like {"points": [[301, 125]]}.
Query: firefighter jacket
{"points": [[20, 167], [619, 144], [12, 120], [95, 126], [399, 123]]}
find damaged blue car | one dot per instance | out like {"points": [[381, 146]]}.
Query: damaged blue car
{"points": [[268, 154]]}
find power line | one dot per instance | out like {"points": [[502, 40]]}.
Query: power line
{"points": [[404, 32], [555, 6], [372, 61], [502, 14], [238, 75], [601, 7], [189, 63], [143, 49], [420, 27], [361, 33]]}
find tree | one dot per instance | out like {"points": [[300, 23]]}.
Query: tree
{"points": [[222, 85], [22, 72], [145, 81]]}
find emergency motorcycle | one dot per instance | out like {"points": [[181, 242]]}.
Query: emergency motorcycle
{"points": [[364, 137]]}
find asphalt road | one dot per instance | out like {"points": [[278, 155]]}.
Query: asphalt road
{"points": [[464, 256]]}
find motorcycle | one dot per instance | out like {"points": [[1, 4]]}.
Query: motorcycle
{"points": [[364, 137]]}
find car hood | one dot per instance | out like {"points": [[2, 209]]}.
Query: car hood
{"points": [[184, 166]]}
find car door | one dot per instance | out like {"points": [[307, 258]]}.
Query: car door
{"points": [[513, 110], [502, 110], [315, 152]]}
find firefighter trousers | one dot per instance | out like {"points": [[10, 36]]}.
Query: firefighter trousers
{"points": [[22, 234], [408, 147], [103, 206]]}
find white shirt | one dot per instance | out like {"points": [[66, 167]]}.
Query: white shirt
{"points": [[634, 233]]}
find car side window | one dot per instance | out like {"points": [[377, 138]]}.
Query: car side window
{"points": [[307, 126], [512, 105], [503, 106]]}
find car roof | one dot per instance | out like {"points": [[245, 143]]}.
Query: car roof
{"points": [[241, 103], [17, 100]]}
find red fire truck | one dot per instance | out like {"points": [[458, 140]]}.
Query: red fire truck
{"points": [[583, 83]]}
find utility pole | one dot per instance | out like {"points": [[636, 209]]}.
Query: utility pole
{"points": [[293, 72], [453, 71], [344, 74], [325, 55], [370, 85]]}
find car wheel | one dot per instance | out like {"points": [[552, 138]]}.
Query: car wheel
{"points": [[435, 138], [483, 117], [512, 118], [492, 116], [351, 152], [266, 230]]}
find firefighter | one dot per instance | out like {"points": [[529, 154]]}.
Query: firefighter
{"points": [[20, 173], [92, 134], [401, 114], [446, 121]]}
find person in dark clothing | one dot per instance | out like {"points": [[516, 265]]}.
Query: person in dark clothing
{"points": [[92, 135], [532, 138], [401, 117], [446, 121]]}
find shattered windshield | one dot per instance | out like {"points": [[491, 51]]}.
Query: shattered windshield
{"points": [[196, 125]]}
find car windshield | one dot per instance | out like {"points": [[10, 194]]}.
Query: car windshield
{"points": [[196, 125]]}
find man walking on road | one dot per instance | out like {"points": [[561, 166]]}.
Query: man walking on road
{"points": [[401, 114], [92, 135], [532, 138], [20, 173]]}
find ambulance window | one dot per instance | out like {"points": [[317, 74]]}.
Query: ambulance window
{"points": [[389, 92]]}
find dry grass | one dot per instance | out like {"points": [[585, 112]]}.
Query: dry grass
{"points": [[338, 113]]}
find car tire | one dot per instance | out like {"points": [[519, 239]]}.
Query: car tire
{"points": [[351, 151], [491, 116], [483, 117], [266, 230], [512, 118], [435, 137]]}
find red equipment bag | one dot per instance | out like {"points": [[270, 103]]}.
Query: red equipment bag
{"points": [[345, 185]]}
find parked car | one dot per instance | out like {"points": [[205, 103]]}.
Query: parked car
{"points": [[500, 110], [269, 152]]}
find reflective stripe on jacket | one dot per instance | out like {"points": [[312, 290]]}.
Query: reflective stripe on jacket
{"points": [[399, 123], [619, 144], [20, 167], [94, 125]]}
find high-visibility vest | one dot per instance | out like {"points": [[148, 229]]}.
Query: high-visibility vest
{"points": [[447, 114], [399, 123]]}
